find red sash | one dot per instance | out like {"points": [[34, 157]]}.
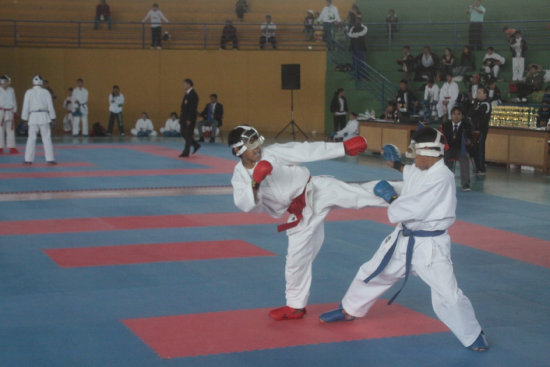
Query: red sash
{"points": [[296, 207]]}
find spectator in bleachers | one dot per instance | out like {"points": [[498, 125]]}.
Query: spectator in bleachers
{"points": [[533, 82], [212, 115], [351, 129], [80, 108], [518, 46], [426, 64], [358, 46], [405, 98], [431, 96], [448, 95], [229, 34], [390, 113], [339, 109], [241, 7], [172, 127], [391, 23], [406, 63], [329, 18], [68, 118], [467, 62], [116, 101], [144, 126], [309, 26], [509, 33], [492, 63], [448, 62], [493, 93], [268, 29], [477, 13], [156, 17], [459, 134], [475, 83], [102, 14]]}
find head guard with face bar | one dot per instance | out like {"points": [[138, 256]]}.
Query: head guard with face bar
{"points": [[250, 139], [426, 142]]}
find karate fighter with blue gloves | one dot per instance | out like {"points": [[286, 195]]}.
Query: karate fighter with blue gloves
{"points": [[420, 243]]}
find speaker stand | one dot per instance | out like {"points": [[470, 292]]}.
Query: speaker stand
{"points": [[292, 123]]}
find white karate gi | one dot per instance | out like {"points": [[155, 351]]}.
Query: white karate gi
{"points": [[427, 202], [68, 119], [496, 68], [448, 92], [286, 182], [349, 131], [431, 95], [171, 125], [8, 106], [144, 125], [80, 101], [39, 112]]}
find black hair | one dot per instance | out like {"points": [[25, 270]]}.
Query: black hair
{"points": [[404, 81], [490, 48], [338, 91], [354, 114], [116, 86], [431, 79], [189, 81], [407, 47], [234, 137], [392, 103], [426, 135], [174, 114], [70, 89], [482, 88], [80, 80], [214, 95], [457, 108]]}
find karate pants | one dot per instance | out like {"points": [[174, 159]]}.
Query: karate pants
{"points": [[441, 109], [7, 132], [68, 123], [518, 67], [76, 124], [431, 261], [45, 134], [305, 240]]}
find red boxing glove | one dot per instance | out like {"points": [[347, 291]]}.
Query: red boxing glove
{"points": [[355, 145], [262, 169]]}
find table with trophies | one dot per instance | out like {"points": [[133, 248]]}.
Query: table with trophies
{"points": [[514, 138], [380, 132]]}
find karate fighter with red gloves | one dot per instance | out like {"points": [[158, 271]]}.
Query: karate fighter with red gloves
{"points": [[269, 179]]}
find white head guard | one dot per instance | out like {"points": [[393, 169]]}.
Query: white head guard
{"points": [[250, 139], [427, 142], [37, 80]]}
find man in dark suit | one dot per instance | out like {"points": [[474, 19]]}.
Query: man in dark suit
{"points": [[212, 116], [188, 117], [459, 134]]}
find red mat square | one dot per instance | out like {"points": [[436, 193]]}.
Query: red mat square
{"points": [[138, 254], [248, 330]]}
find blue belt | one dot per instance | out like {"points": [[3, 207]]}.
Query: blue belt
{"points": [[410, 247]]}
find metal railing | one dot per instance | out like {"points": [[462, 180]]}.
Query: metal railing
{"points": [[366, 77], [439, 35], [81, 34]]}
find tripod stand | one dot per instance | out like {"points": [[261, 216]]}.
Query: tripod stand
{"points": [[292, 123]]}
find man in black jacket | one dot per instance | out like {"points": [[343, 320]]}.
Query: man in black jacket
{"points": [[212, 116], [459, 134], [480, 115], [188, 117]]}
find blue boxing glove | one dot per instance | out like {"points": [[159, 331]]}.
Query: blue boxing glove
{"points": [[385, 191], [391, 153]]}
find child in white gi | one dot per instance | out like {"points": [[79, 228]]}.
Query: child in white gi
{"points": [[8, 107], [144, 126], [68, 106], [351, 129], [447, 97], [270, 180], [420, 243], [80, 108], [38, 111], [172, 126]]}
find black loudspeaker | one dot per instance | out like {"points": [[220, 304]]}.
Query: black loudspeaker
{"points": [[290, 76]]}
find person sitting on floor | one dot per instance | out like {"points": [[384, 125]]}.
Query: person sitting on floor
{"points": [[172, 126], [351, 129], [144, 126]]}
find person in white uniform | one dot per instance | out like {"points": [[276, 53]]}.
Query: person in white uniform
{"points": [[8, 108], [492, 63], [351, 129], [270, 180], [172, 126], [447, 97], [420, 243], [38, 111], [144, 126], [431, 97], [68, 106], [80, 108]]}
